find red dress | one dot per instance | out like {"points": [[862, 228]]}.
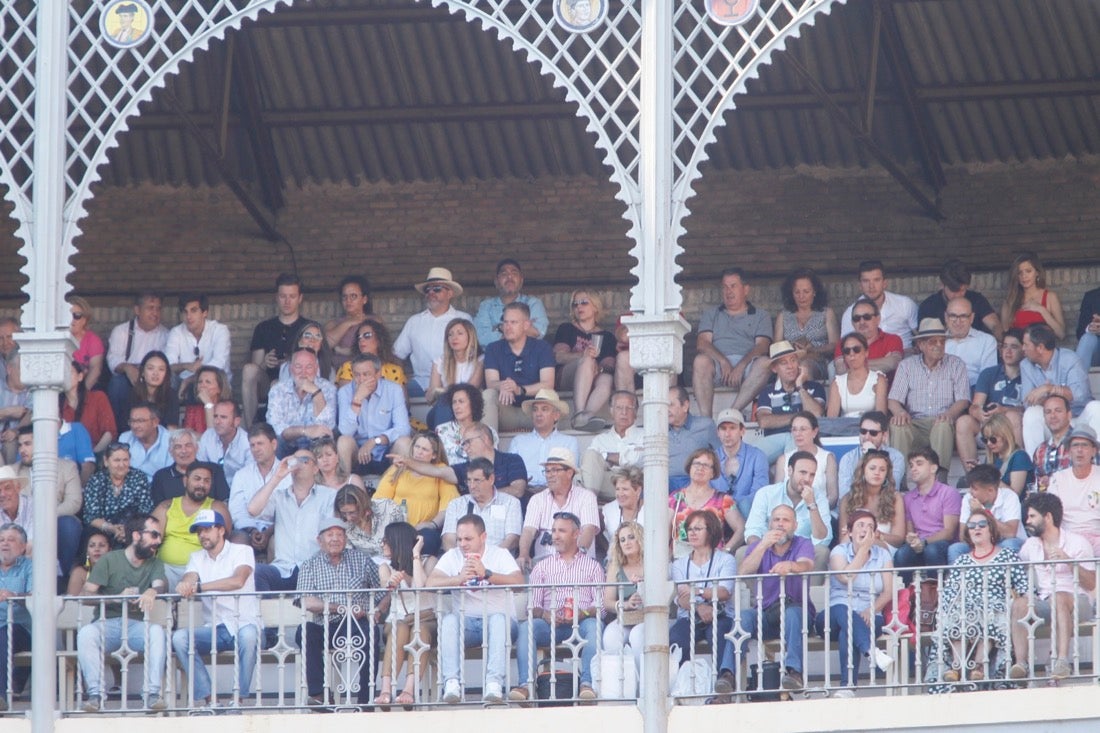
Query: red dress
{"points": [[1024, 318]]}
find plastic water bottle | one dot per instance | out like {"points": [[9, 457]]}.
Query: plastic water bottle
{"points": [[405, 509]]}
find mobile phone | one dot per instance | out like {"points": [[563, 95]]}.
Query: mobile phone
{"points": [[292, 462]]}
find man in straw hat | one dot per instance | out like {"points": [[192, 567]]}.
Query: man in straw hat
{"points": [[422, 339], [545, 410], [561, 495], [929, 392], [790, 393]]}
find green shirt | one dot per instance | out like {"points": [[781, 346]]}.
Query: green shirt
{"points": [[114, 573]]}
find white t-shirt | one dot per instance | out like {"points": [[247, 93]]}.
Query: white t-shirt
{"points": [[1006, 507], [479, 600]]}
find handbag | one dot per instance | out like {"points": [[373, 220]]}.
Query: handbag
{"points": [[693, 681], [561, 680], [929, 601], [615, 676], [764, 677]]}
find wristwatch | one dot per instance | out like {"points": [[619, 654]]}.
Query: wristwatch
{"points": [[209, 405], [488, 574], [378, 440]]}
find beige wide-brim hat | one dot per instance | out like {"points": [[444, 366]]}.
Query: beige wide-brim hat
{"points": [[439, 276], [8, 473], [560, 457], [929, 327], [546, 395], [780, 349]]}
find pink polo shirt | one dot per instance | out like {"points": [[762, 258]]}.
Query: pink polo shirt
{"points": [[927, 511], [1057, 577]]}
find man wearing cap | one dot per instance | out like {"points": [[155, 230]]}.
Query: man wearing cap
{"points": [[929, 392], [792, 392], [16, 583], [133, 571], [622, 444], [372, 417], [344, 618], [546, 409], [70, 497], [884, 350], [742, 468], [501, 513], [483, 614], [296, 508], [228, 621], [517, 367], [1079, 487], [899, 313], [556, 608], [177, 515], [561, 495], [977, 349], [731, 337], [687, 433], [509, 282], [303, 407], [809, 507], [955, 277], [1049, 370], [272, 343], [422, 339]]}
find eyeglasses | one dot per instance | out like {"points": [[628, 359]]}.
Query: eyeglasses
{"points": [[577, 303], [979, 524], [697, 529], [365, 335], [551, 470], [852, 350], [872, 433], [959, 316], [702, 464], [152, 533], [139, 420], [857, 317], [436, 289]]}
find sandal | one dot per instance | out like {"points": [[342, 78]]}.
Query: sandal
{"points": [[405, 699], [383, 701]]}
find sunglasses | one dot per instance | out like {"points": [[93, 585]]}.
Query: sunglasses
{"points": [[577, 303], [872, 433], [856, 318], [77, 316], [852, 350], [979, 524], [436, 289], [365, 335], [569, 516], [312, 336], [152, 533], [991, 439]]}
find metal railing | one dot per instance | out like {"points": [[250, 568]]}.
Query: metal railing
{"points": [[962, 642]]}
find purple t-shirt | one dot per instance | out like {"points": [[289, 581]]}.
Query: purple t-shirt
{"points": [[927, 512], [800, 549]]}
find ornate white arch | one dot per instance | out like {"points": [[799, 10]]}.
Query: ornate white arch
{"points": [[599, 71]]}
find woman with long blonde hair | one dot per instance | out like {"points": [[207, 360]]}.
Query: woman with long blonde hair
{"points": [[461, 363], [1016, 468], [625, 567], [585, 354]]}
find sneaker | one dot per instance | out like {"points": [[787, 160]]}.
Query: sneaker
{"points": [[452, 692], [91, 705], [976, 676], [596, 425], [158, 704], [580, 420], [586, 693], [951, 675], [882, 660], [792, 680], [724, 684], [844, 693], [1018, 671], [494, 693], [1060, 669]]}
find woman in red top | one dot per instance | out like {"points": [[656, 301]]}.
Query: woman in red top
{"points": [[1028, 301], [90, 408]]}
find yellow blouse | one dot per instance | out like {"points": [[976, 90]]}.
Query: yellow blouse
{"points": [[425, 496]]}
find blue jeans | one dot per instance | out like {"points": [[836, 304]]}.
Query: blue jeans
{"points": [[105, 636], [69, 534], [268, 578], [539, 630], [451, 643], [681, 630], [958, 549], [860, 637], [246, 642], [792, 632], [1087, 346], [935, 553], [20, 642]]}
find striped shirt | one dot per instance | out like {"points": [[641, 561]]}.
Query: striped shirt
{"points": [[563, 575], [355, 570], [929, 392]]}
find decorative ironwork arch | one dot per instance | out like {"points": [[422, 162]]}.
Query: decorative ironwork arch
{"points": [[598, 70]]}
